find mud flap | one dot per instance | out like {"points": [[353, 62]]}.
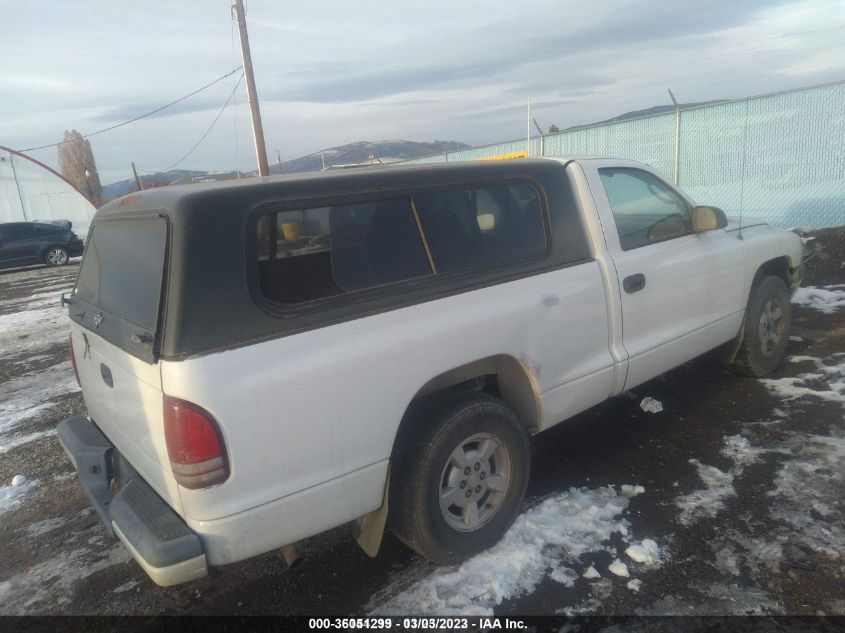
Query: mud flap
{"points": [[368, 530], [731, 349]]}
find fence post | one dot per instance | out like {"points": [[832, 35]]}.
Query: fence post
{"points": [[677, 163], [677, 146]]}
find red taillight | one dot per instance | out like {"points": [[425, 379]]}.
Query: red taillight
{"points": [[194, 445], [73, 361]]}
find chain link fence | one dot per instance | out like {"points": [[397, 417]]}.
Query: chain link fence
{"points": [[779, 157]]}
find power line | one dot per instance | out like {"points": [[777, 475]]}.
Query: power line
{"points": [[202, 138], [138, 118]]}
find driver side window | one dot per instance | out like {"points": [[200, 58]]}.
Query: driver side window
{"points": [[644, 208]]}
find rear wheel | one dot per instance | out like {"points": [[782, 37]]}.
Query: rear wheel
{"points": [[56, 256], [462, 478], [767, 322]]}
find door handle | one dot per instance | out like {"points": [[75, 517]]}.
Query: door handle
{"points": [[633, 283]]}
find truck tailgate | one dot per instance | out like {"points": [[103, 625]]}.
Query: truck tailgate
{"points": [[124, 399]]}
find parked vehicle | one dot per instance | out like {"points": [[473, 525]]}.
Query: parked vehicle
{"points": [[28, 243], [263, 360]]}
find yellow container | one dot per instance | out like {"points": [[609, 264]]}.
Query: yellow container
{"points": [[291, 231]]}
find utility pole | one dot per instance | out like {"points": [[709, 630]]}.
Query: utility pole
{"points": [[252, 95], [137, 180]]}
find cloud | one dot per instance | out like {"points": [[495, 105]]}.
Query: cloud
{"points": [[498, 51], [333, 72]]}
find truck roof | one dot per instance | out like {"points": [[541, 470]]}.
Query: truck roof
{"points": [[366, 179]]}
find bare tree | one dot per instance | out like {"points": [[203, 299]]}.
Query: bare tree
{"points": [[76, 161]]}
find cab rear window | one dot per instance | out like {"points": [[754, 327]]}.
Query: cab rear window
{"points": [[313, 253], [308, 254], [122, 270]]}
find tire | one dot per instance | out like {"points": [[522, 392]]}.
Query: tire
{"points": [[56, 256], [460, 445], [767, 322]]}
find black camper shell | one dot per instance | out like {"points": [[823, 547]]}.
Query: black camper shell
{"points": [[177, 271]]}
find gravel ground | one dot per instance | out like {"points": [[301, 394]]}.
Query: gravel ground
{"points": [[728, 501]]}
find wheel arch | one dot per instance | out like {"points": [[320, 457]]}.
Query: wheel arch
{"points": [[779, 267], [776, 267], [504, 376]]}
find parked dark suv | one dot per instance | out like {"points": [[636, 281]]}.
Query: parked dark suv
{"points": [[27, 243]]}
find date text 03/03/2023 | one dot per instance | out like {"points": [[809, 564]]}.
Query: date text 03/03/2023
{"points": [[417, 623]]}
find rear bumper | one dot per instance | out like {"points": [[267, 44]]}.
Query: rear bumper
{"points": [[165, 547]]}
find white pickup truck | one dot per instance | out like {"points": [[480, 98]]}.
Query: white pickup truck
{"points": [[268, 359]]}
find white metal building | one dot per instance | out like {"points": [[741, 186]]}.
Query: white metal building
{"points": [[33, 192]]}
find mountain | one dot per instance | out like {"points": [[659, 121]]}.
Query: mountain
{"points": [[652, 111], [351, 153], [359, 152], [117, 189], [363, 151]]}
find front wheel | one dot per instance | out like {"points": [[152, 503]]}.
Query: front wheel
{"points": [[56, 256], [462, 478], [767, 322]]}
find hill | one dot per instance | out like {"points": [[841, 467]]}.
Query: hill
{"points": [[351, 153], [363, 151]]}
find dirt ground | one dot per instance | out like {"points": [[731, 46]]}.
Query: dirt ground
{"points": [[728, 501]]}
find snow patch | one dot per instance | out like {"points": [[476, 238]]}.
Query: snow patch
{"points": [[559, 529], [30, 394], [32, 331], [631, 491], [808, 493], [650, 405], [635, 585], [740, 451], [127, 586], [51, 582], [646, 552], [826, 299], [827, 382], [8, 444], [591, 573], [618, 568], [727, 561], [708, 502], [716, 599], [40, 528], [564, 575], [13, 495]]}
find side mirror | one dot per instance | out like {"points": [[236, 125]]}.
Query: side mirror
{"points": [[708, 219]]}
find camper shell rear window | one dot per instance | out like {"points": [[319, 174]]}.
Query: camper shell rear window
{"points": [[120, 281]]}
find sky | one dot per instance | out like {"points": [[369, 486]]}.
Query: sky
{"points": [[332, 72]]}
